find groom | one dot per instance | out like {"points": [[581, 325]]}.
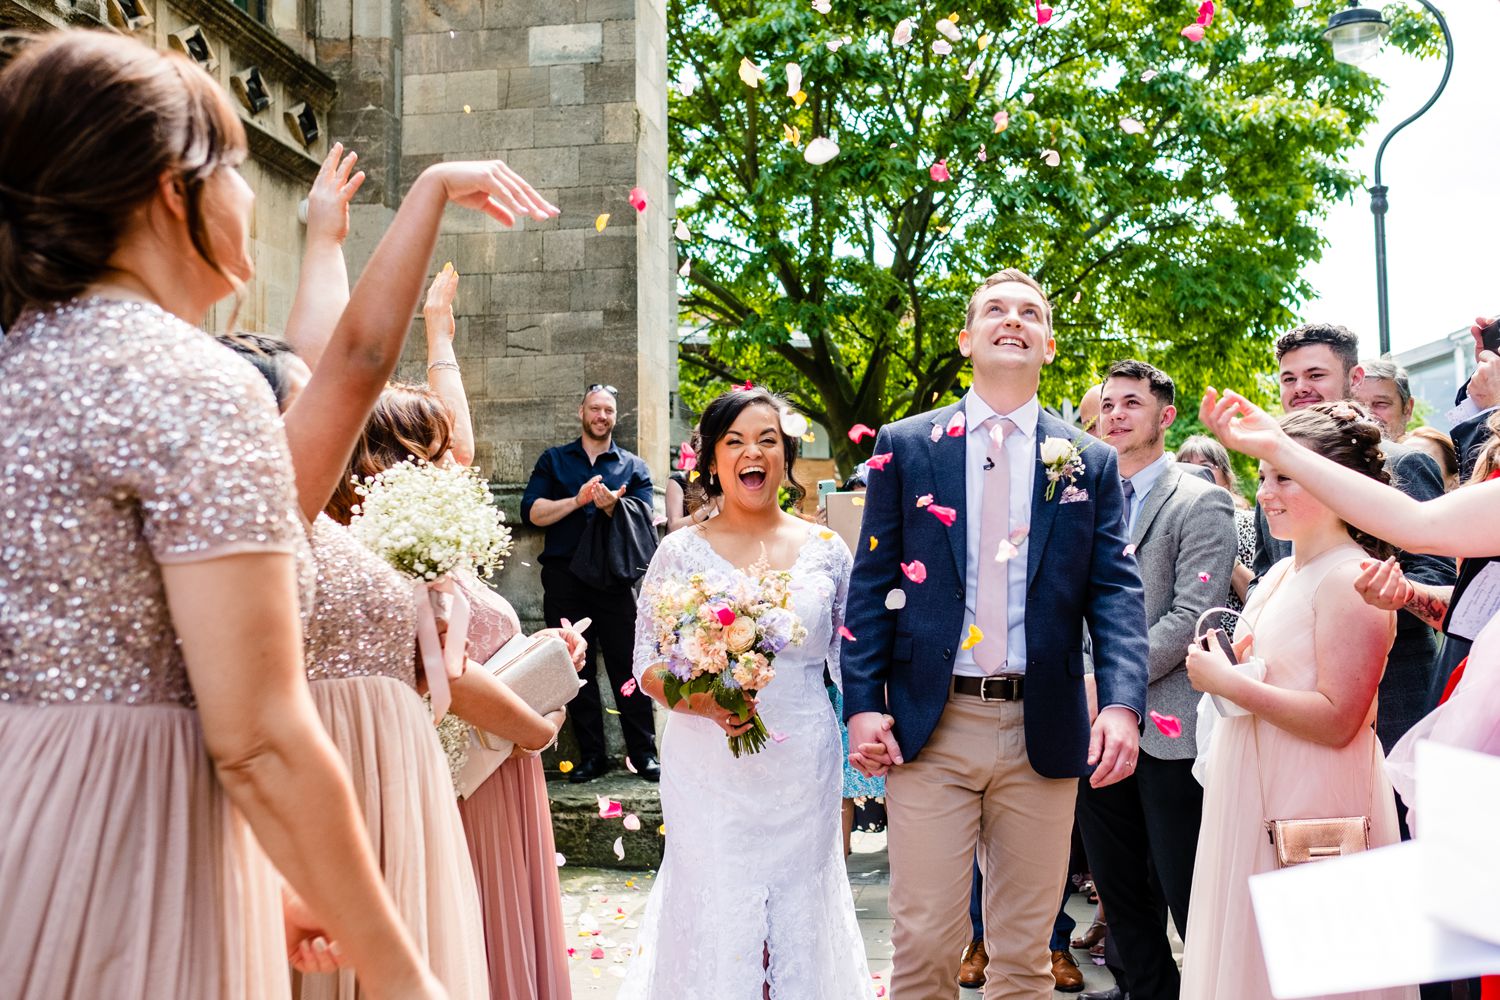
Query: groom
{"points": [[970, 694]]}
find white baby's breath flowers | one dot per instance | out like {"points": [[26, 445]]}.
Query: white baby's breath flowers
{"points": [[429, 521]]}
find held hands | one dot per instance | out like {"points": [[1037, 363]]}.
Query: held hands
{"points": [[1241, 425], [1114, 744], [1383, 585], [1209, 670], [332, 191], [873, 748], [493, 188]]}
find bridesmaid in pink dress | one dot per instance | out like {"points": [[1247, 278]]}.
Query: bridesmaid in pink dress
{"points": [[154, 725], [1308, 749]]}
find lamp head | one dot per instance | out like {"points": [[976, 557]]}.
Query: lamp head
{"points": [[1355, 33]]}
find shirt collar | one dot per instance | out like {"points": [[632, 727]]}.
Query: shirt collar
{"points": [[1025, 416], [577, 445], [1147, 477]]}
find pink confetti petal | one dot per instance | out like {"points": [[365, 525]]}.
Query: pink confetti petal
{"points": [[845, 634], [609, 808], [1193, 32], [558, 857], [630, 766], [957, 424], [726, 617], [859, 432], [1002, 120], [916, 571], [1206, 13], [880, 461], [902, 34], [597, 953], [1043, 14], [939, 172], [1008, 551], [632, 822], [1051, 157], [638, 199], [628, 688], [1170, 725], [1204, 577], [983, 154], [945, 514], [937, 433], [1130, 550], [924, 500], [779, 737]]}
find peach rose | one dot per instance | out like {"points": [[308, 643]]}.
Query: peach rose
{"points": [[740, 635]]}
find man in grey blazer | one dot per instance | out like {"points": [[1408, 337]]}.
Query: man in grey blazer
{"points": [[1141, 834]]}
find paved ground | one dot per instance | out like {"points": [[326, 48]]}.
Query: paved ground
{"points": [[603, 910]]}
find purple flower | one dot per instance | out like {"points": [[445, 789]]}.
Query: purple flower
{"points": [[776, 630]]}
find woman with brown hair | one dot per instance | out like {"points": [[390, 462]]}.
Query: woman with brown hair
{"points": [[154, 721]]}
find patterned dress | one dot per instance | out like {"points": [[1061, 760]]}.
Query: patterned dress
{"points": [[129, 440]]}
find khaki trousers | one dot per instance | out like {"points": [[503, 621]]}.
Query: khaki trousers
{"points": [[973, 785]]}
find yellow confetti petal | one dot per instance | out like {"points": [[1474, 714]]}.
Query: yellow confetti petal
{"points": [[974, 638], [661, 831], [467, 109], [565, 766], [826, 535], [984, 42], [857, 502], [613, 711], [601, 222], [873, 542], [809, 437], [799, 98], [693, 476], [750, 73], [448, 266], [792, 134]]}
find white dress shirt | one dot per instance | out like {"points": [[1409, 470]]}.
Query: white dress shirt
{"points": [[1020, 449]]}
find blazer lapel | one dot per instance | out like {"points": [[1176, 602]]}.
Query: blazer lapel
{"points": [[949, 456], [1043, 511], [1166, 485]]}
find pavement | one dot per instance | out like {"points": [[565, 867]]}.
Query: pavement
{"points": [[603, 910]]}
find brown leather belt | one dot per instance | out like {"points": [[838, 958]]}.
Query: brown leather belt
{"points": [[997, 687]]}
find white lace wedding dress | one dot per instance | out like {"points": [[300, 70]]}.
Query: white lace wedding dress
{"points": [[754, 863]]}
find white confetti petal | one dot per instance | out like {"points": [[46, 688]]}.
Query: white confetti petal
{"points": [[558, 857], [1052, 157], [620, 848], [820, 151], [750, 73], [822, 6], [1148, 76], [1027, 98], [948, 29], [685, 269], [681, 232], [895, 600], [1131, 127], [793, 79], [942, 46], [902, 34]]}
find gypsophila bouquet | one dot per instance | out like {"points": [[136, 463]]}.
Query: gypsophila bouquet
{"points": [[429, 521], [454, 734], [720, 636]]}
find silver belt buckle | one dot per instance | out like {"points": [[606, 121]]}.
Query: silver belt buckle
{"points": [[984, 689]]}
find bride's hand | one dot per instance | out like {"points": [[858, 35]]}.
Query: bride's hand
{"points": [[1241, 425], [702, 703]]}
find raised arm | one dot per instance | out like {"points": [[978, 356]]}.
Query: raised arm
{"points": [[323, 284], [328, 416], [236, 618], [1457, 524], [444, 376]]}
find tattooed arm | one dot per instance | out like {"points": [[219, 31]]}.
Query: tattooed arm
{"points": [[1383, 585]]}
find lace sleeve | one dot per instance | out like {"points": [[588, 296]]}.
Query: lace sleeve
{"points": [[840, 565], [663, 565]]}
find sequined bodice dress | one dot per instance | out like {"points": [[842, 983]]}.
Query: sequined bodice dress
{"points": [[362, 671], [129, 440]]}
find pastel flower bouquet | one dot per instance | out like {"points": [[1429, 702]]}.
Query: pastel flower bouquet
{"points": [[720, 636]]}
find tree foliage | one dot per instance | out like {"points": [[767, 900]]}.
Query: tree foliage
{"points": [[1181, 243]]}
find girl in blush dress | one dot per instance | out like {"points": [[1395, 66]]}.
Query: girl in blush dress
{"points": [[154, 724], [1307, 750]]}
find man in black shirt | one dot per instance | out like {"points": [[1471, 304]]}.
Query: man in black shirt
{"points": [[571, 485]]}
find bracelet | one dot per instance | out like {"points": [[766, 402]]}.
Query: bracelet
{"points": [[444, 364]]}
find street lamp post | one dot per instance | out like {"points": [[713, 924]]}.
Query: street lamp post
{"points": [[1356, 33]]}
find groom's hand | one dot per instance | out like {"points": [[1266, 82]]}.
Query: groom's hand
{"points": [[872, 749], [1114, 742]]}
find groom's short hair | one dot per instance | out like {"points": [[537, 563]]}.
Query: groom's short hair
{"points": [[1158, 381], [1002, 277]]}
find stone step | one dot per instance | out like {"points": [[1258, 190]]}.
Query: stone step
{"points": [[585, 840]]}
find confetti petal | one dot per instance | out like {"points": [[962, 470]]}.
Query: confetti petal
{"points": [[686, 87], [845, 634], [939, 171], [619, 856], [1204, 577], [468, 110], [681, 231], [1051, 157], [1148, 76], [974, 638], [945, 514], [895, 600], [726, 617], [902, 34], [687, 266], [1043, 14], [1008, 551], [632, 822], [937, 433], [838, 43], [661, 831], [1170, 725], [859, 432], [1130, 550], [565, 766], [1131, 127], [601, 222], [791, 133], [822, 6], [983, 153], [779, 737], [942, 47], [820, 151], [628, 688], [873, 542], [638, 199], [799, 97], [924, 500], [630, 766], [826, 535], [984, 42], [608, 808], [1002, 120], [1206, 13], [750, 73], [558, 857], [916, 571], [880, 461], [948, 29], [1193, 32], [1027, 98], [957, 424], [793, 78]]}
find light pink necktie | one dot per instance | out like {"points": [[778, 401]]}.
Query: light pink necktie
{"points": [[992, 602]]}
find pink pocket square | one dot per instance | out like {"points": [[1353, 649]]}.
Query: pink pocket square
{"points": [[1073, 494]]}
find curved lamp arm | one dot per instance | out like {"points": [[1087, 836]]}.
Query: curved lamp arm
{"points": [[1447, 71]]}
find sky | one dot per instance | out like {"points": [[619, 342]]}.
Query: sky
{"points": [[1443, 171]]}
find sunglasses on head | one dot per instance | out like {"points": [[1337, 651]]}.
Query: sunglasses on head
{"points": [[601, 387]]}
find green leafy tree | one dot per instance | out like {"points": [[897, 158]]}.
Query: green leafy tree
{"points": [[1188, 184]]}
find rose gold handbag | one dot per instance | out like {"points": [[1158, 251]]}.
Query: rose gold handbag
{"points": [[1303, 841]]}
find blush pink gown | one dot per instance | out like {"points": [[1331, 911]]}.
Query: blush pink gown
{"points": [[509, 827]]}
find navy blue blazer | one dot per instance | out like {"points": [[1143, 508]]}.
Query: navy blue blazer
{"points": [[901, 662]]}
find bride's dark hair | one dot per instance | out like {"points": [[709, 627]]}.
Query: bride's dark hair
{"points": [[719, 415], [1344, 432]]}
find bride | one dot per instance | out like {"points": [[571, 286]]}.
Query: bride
{"points": [[752, 899]]}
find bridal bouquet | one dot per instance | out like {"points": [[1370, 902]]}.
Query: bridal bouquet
{"points": [[429, 522], [721, 636]]}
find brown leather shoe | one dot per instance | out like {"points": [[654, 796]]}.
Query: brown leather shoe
{"points": [[971, 966], [1065, 973]]}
